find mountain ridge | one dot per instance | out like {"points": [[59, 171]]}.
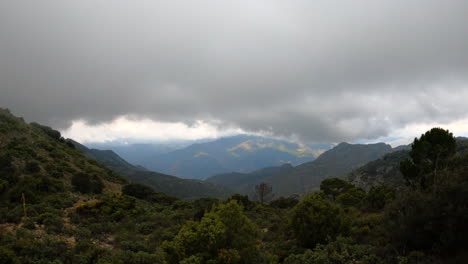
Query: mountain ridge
{"points": [[306, 178], [241, 153], [168, 184]]}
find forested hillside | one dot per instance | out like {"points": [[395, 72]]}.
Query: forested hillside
{"points": [[386, 170], [59, 206]]}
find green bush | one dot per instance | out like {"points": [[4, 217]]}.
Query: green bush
{"points": [[138, 190], [85, 183], [223, 231], [284, 202], [316, 219], [341, 251]]}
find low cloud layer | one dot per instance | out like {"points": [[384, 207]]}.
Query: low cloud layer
{"points": [[318, 70]]}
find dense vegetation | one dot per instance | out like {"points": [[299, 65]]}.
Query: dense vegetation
{"points": [[47, 217]]}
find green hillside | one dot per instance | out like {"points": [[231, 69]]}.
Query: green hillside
{"points": [[37, 164], [385, 170]]}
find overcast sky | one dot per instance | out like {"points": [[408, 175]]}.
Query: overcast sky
{"points": [[318, 71]]}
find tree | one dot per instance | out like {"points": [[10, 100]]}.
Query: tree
{"points": [[284, 202], [428, 154], [333, 187], [435, 221], [378, 197], [223, 234], [242, 200], [354, 197], [263, 192], [316, 219]]}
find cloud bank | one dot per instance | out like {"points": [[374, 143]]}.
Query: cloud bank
{"points": [[318, 70]]}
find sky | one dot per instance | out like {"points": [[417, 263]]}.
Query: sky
{"points": [[314, 71]]}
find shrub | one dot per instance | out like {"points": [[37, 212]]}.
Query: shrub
{"points": [[224, 232], [85, 183], [138, 190], [316, 219], [284, 202]]}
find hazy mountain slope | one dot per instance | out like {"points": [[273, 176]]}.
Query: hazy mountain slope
{"points": [[140, 153], [242, 182], [337, 162], [107, 158], [241, 153], [182, 188]]}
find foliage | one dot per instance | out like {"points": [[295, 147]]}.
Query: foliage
{"points": [[224, 234], [85, 183], [341, 251], [333, 187], [426, 221], [315, 220], [284, 202], [378, 197], [48, 131], [138, 190], [242, 200], [353, 197], [428, 154]]}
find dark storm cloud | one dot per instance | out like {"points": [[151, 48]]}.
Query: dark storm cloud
{"points": [[321, 70]]}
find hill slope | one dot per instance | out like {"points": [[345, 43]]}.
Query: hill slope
{"points": [[37, 165], [182, 188], [241, 153], [337, 162], [386, 170], [137, 152], [243, 182]]}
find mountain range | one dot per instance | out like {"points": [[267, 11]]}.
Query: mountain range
{"points": [[241, 153], [306, 178], [365, 165], [181, 188]]}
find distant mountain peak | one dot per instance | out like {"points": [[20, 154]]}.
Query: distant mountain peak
{"points": [[287, 179], [240, 153]]}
